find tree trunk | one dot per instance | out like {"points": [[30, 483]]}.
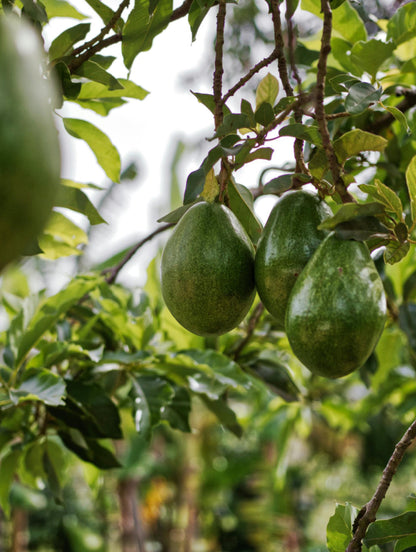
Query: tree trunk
{"points": [[19, 531], [132, 532]]}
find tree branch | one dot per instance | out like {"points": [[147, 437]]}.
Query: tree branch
{"points": [[219, 69], [368, 513], [112, 273], [181, 11], [78, 61], [251, 326], [319, 104]]}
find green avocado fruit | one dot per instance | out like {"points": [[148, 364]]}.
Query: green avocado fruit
{"points": [[337, 309], [207, 270], [29, 147], [289, 239]]}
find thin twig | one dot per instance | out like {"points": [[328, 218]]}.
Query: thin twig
{"points": [[255, 69], [104, 43], [319, 104], [368, 513], [251, 326], [181, 11], [113, 272]]}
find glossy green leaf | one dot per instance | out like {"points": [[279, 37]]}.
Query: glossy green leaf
{"points": [[241, 203], [339, 528], [141, 28], [361, 96], [39, 385], [402, 25], [370, 55], [387, 530], [355, 141], [63, 44], [92, 71], [107, 155], [152, 394], [226, 416], [411, 185], [73, 198], [267, 90]]}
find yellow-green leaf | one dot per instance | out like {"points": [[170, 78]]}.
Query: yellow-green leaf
{"points": [[411, 185], [211, 188], [267, 90], [61, 238]]}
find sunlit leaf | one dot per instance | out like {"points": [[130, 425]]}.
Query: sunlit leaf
{"points": [[61, 8], [339, 528], [370, 55], [402, 25], [75, 199], [267, 90], [105, 152], [355, 141], [92, 71], [411, 185], [39, 385], [61, 237]]}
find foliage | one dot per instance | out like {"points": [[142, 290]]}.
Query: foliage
{"points": [[101, 386]]}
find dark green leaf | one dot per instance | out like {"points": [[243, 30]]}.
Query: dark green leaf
{"points": [[70, 89], [94, 72], [102, 10], [360, 97], [194, 185], [277, 377], [174, 216], [208, 100], [233, 122], [387, 530], [35, 11], [279, 185], [407, 544], [395, 251], [197, 14], [264, 114], [407, 322], [409, 286], [8, 467], [177, 412], [63, 44], [151, 395], [362, 229], [89, 450], [141, 28], [39, 385]]}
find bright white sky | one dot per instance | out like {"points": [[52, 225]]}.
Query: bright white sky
{"points": [[147, 131]]}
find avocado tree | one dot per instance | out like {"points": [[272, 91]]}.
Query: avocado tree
{"points": [[102, 378]]}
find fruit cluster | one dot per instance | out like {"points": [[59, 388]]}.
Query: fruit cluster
{"points": [[324, 292]]}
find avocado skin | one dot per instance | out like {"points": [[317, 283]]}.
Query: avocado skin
{"points": [[337, 309], [29, 147], [289, 239], [207, 270]]}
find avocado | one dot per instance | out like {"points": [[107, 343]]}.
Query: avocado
{"points": [[337, 309], [289, 238], [207, 270], [29, 147]]}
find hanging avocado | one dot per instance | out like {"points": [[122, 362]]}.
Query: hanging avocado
{"points": [[29, 149], [207, 270], [289, 238], [337, 309]]}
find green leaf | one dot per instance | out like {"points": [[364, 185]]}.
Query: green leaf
{"points": [[385, 195], [22, 339], [141, 28], [360, 97], [177, 412], [97, 91], [264, 114], [355, 141], [387, 530], [152, 394], [102, 10], [398, 115], [267, 90], [395, 252], [402, 26], [61, 237], [339, 528], [176, 215], [225, 415], [70, 89], [370, 55], [8, 467], [106, 154], [233, 122], [272, 372], [63, 44], [304, 132], [61, 8], [350, 211], [39, 385], [407, 544], [241, 203], [71, 197], [208, 101], [197, 14], [362, 229], [345, 20], [92, 71], [89, 450], [411, 185]]}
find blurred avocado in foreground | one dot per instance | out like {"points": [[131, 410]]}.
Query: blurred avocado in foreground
{"points": [[29, 146]]}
